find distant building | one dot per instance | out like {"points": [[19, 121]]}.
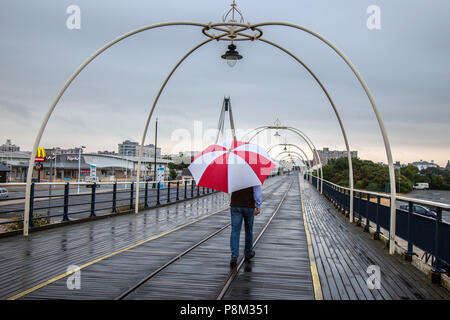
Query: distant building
{"points": [[423, 165], [447, 167], [58, 150], [185, 157], [326, 154], [9, 147], [131, 148], [128, 148], [107, 152], [149, 151]]}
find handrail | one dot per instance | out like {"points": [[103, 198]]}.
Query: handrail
{"points": [[19, 184], [386, 195]]}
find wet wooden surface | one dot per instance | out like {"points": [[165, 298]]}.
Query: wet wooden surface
{"points": [[26, 262], [343, 252], [280, 269]]}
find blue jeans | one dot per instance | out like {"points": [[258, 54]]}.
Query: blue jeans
{"points": [[237, 215]]}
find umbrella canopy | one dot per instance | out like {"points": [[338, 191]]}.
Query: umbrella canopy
{"points": [[231, 166]]}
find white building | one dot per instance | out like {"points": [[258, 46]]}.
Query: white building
{"points": [[422, 165], [66, 166]]}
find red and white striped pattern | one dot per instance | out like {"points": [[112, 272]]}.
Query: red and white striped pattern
{"points": [[231, 166]]}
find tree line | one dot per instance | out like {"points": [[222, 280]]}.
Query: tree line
{"points": [[375, 177]]}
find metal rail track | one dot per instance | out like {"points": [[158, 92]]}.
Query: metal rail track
{"points": [[235, 270], [180, 255]]}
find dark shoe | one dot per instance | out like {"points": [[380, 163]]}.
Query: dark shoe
{"points": [[250, 256], [233, 262]]}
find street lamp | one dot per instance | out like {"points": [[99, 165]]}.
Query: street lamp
{"points": [[232, 56], [79, 167]]}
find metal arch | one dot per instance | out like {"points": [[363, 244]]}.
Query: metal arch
{"points": [[246, 27], [304, 156], [299, 133], [242, 27], [291, 158], [336, 112], [290, 145], [78, 71], [144, 134], [317, 155], [302, 135], [294, 153], [297, 156], [300, 149], [387, 145]]}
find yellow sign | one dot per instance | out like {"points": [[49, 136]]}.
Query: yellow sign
{"points": [[41, 152], [40, 155]]}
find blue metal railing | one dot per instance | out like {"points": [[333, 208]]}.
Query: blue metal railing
{"points": [[65, 203], [429, 234]]}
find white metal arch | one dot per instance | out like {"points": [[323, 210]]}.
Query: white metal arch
{"points": [[228, 35], [302, 135], [338, 116], [282, 153], [289, 145], [387, 144], [296, 156], [68, 83], [298, 148]]}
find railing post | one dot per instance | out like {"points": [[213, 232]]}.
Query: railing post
{"points": [[366, 227], [358, 223], [66, 203], [157, 193], [146, 195], [30, 217], [185, 189], [132, 195], [409, 252], [94, 187], [389, 244], [168, 191], [198, 191], [376, 235], [192, 188], [347, 193], [436, 262], [178, 190], [114, 199]]}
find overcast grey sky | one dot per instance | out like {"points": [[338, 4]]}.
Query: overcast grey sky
{"points": [[405, 63]]}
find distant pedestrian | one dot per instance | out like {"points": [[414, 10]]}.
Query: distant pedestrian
{"points": [[245, 204]]}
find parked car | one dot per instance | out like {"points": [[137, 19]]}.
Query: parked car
{"points": [[423, 211], [3, 193]]}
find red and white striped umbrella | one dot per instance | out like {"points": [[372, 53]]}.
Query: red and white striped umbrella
{"points": [[231, 166]]}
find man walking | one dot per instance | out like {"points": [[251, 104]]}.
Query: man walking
{"points": [[245, 204]]}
